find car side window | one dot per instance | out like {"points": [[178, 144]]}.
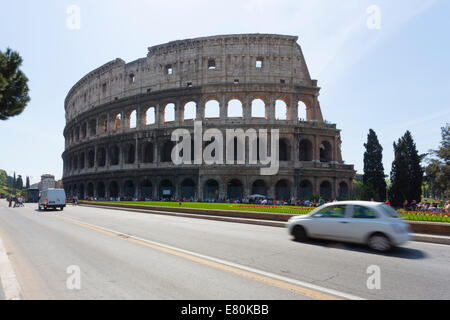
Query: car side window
{"points": [[331, 212], [360, 212]]}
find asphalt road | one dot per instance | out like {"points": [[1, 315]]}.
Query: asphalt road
{"points": [[128, 255]]}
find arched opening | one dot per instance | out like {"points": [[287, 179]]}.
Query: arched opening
{"points": [[166, 151], [92, 127], [101, 157], [284, 150], [133, 119], [302, 116], [212, 109], [90, 190], [81, 192], [258, 109], [259, 187], [101, 190], [148, 153], [282, 190], [114, 155], [190, 111], [91, 158], [82, 157], [166, 190], [75, 162], [188, 189], [116, 120], [130, 154], [306, 189], [235, 109], [211, 190], [280, 110], [103, 124], [114, 189], [305, 151], [343, 190], [129, 190], [169, 113], [150, 116], [325, 152], [325, 189], [235, 190], [83, 131], [147, 189]]}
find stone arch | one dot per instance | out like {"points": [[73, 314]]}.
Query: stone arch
{"points": [[343, 190], [149, 116], [284, 150], [305, 150], [325, 152], [130, 153], [259, 187], [281, 109], [190, 111], [147, 189], [116, 121], [114, 155], [302, 114], [101, 190], [81, 191], [211, 190], [187, 189], [90, 190], [101, 157], [91, 158], [258, 108], [169, 112], [147, 153], [129, 189], [166, 189], [166, 151], [283, 190], [103, 124], [114, 189], [306, 189], [212, 109], [235, 189], [326, 189], [235, 109]]}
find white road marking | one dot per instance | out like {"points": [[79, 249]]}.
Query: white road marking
{"points": [[227, 263], [11, 287]]}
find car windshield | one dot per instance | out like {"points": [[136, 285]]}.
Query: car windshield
{"points": [[389, 211]]}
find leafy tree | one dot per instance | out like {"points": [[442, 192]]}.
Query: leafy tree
{"points": [[373, 178], [3, 178], [406, 173], [13, 85], [438, 169]]}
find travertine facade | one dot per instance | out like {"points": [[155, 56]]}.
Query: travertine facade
{"points": [[120, 118]]}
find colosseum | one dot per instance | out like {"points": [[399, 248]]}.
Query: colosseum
{"points": [[120, 118]]}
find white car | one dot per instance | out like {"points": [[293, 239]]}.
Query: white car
{"points": [[371, 223]]}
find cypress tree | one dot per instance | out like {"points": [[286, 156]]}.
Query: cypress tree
{"points": [[373, 179], [406, 173]]}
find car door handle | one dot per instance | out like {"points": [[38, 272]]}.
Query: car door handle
{"points": [[344, 222]]}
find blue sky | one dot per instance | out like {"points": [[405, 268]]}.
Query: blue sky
{"points": [[391, 79]]}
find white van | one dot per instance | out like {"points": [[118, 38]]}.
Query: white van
{"points": [[52, 199]]}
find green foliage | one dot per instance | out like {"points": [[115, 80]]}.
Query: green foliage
{"points": [[374, 184], [13, 85], [438, 169], [406, 173], [3, 177]]}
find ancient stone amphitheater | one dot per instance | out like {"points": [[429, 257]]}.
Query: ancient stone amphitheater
{"points": [[120, 118]]}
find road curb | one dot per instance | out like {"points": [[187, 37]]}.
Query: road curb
{"points": [[438, 239], [11, 287]]}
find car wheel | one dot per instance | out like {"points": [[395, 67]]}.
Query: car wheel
{"points": [[379, 242], [299, 233]]}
